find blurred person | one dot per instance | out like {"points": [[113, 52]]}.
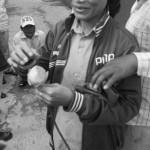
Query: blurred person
{"points": [[4, 33], [4, 36], [2, 95], [138, 129], [4, 134], [32, 37], [75, 48]]}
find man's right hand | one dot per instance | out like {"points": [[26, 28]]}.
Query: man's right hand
{"points": [[113, 71], [21, 55]]}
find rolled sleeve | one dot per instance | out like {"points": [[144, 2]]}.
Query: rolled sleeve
{"points": [[143, 59]]}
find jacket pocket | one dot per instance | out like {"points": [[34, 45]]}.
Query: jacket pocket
{"points": [[134, 133], [118, 135]]}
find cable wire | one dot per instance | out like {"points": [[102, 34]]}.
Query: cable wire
{"points": [[59, 132]]}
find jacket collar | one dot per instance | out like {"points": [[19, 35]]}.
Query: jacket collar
{"points": [[98, 27]]}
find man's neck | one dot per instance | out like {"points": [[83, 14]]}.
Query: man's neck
{"points": [[88, 25]]}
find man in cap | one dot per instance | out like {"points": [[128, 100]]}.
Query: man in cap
{"points": [[33, 38]]}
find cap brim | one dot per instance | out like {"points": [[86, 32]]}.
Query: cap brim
{"points": [[28, 23]]}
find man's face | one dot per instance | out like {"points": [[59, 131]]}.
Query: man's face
{"points": [[29, 31], [88, 10]]}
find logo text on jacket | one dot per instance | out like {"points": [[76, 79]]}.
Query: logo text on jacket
{"points": [[104, 59]]}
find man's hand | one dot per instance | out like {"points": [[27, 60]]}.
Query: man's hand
{"points": [[113, 71], [55, 94], [21, 55]]}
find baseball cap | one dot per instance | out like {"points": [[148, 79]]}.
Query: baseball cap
{"points": [[27, 20]]}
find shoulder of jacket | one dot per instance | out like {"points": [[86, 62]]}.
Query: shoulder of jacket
{"points": [[122, 31], [58, 28]]}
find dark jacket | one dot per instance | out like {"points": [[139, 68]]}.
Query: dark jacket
{"points": [[3, 62], [102, 116]]}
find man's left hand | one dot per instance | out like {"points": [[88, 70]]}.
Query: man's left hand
{"points": [[55, 94]]}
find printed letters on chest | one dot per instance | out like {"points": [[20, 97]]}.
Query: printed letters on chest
{"points": [[106, 58], [56, 52]]}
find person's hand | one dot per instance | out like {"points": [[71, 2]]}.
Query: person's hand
{"points": [[21, 55], [113, 71], [55, 94]]}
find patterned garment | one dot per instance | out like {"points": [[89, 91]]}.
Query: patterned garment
{"points": [[139, 25], [3, 16], [143, 63]]}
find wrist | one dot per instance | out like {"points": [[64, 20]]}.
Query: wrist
{"points": [[70, 99], [76, 103], [134, 62]]}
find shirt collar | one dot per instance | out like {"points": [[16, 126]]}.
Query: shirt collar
{"points": [[76, 26], [96, 29]]}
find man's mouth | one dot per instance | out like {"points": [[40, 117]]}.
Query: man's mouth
{"points": [[81, 9], [30, 33]]}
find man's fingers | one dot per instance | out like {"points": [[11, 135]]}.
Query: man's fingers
{"points": [[22, 56], [11, 63], [35, 53], [98, 78], [95, 76], [110, 82], [14, 60], [102, 77], [25, 53], [30, 52], [44, 97], [44, 89], [107, 74], [26, 49]]}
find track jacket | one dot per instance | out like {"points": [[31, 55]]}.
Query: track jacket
{"points": [[102, 115]]}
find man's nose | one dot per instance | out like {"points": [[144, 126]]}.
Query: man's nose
{"points": [[29, 29]]}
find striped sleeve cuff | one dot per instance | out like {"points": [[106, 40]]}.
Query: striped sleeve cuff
{"points": [[77, 103]]}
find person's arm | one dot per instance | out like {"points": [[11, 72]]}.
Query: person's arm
{"points": [[143, 60], [23, 54], [114, 70], [119, 68], [114, 106]]}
